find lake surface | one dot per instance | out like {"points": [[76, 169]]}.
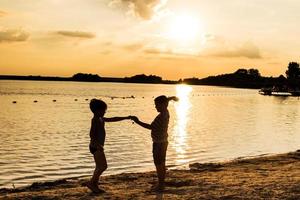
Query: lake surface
{"points": [[47, 140]]}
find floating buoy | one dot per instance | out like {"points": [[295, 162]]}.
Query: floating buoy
{"points": [[14, 102], [54, 100], [112, 98], [35, 101], [132, 96], [123, 97], [75, 99], [86, 99]]}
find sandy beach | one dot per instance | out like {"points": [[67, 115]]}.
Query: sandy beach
{"points": [[265, 177]]}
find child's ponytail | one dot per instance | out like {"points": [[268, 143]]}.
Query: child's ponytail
{"points": [[173, 98], [164, 99]]}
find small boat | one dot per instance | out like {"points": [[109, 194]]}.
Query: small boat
{"points": [[265, 91], [281, 94]]}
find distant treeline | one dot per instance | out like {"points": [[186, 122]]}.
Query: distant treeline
{"points": [[84, 77], [33, 78], [141, 78], [242, 78], [251, 78]]}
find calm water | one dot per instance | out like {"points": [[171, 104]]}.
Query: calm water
{"points": [[49, 140]]}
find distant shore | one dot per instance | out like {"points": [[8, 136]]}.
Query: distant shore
{"points": [[242, 78], [92, 78], [267, 177]]}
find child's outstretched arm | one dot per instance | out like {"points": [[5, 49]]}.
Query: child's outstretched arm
{"points": [[142, 124], [115, 119]]}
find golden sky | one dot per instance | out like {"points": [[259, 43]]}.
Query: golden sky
{"points": [[170, 38]]}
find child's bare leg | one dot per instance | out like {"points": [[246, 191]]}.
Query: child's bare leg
{"points": [[159, 156], [161, 174], [101, 166]]}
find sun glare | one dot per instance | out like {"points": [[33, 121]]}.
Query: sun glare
{"points": [[182, 110], [184, 28]]}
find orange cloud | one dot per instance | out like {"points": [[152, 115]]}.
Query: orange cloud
{"points": [[169, 54], [152, 51], [13, 35], [247, 50], [78, 34], [162, 52], [133, 47], [218, 46]]}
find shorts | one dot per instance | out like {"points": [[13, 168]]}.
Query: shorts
{"points": [[159, 151], [94, 149]]}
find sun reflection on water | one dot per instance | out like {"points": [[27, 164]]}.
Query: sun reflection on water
{"points": [[182, 111]]}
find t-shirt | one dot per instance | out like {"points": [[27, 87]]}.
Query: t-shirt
{"points": [[97, 132], [159, 127]]}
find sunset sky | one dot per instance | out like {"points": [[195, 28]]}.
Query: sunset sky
{"points": [[170, 38]]}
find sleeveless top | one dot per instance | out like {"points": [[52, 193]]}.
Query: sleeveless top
{"points": [[159, 127], [97, 132]]}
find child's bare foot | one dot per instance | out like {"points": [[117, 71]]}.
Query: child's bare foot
{"points": [[158, 188], [94, 188]]}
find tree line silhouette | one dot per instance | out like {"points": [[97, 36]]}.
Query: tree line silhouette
{"points": [[241, 78], [251, 78]]}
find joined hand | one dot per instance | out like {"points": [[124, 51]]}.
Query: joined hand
{"points": [[134, 118]]}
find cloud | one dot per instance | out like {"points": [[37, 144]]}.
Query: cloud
{"points": [[13, 35], [78, 34], [133, 47], [248, 50], [169, 53], [220, 47], [2, 13], [145, 9], [152, 51]]}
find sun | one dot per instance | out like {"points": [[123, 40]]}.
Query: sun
{"points": [[184, 28]]}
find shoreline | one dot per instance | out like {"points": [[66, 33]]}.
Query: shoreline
{"points": [[117, 80], [185, 166], [181, 167], [263, 177]]}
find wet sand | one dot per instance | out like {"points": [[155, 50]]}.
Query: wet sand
{"points": [[268, 177]]}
